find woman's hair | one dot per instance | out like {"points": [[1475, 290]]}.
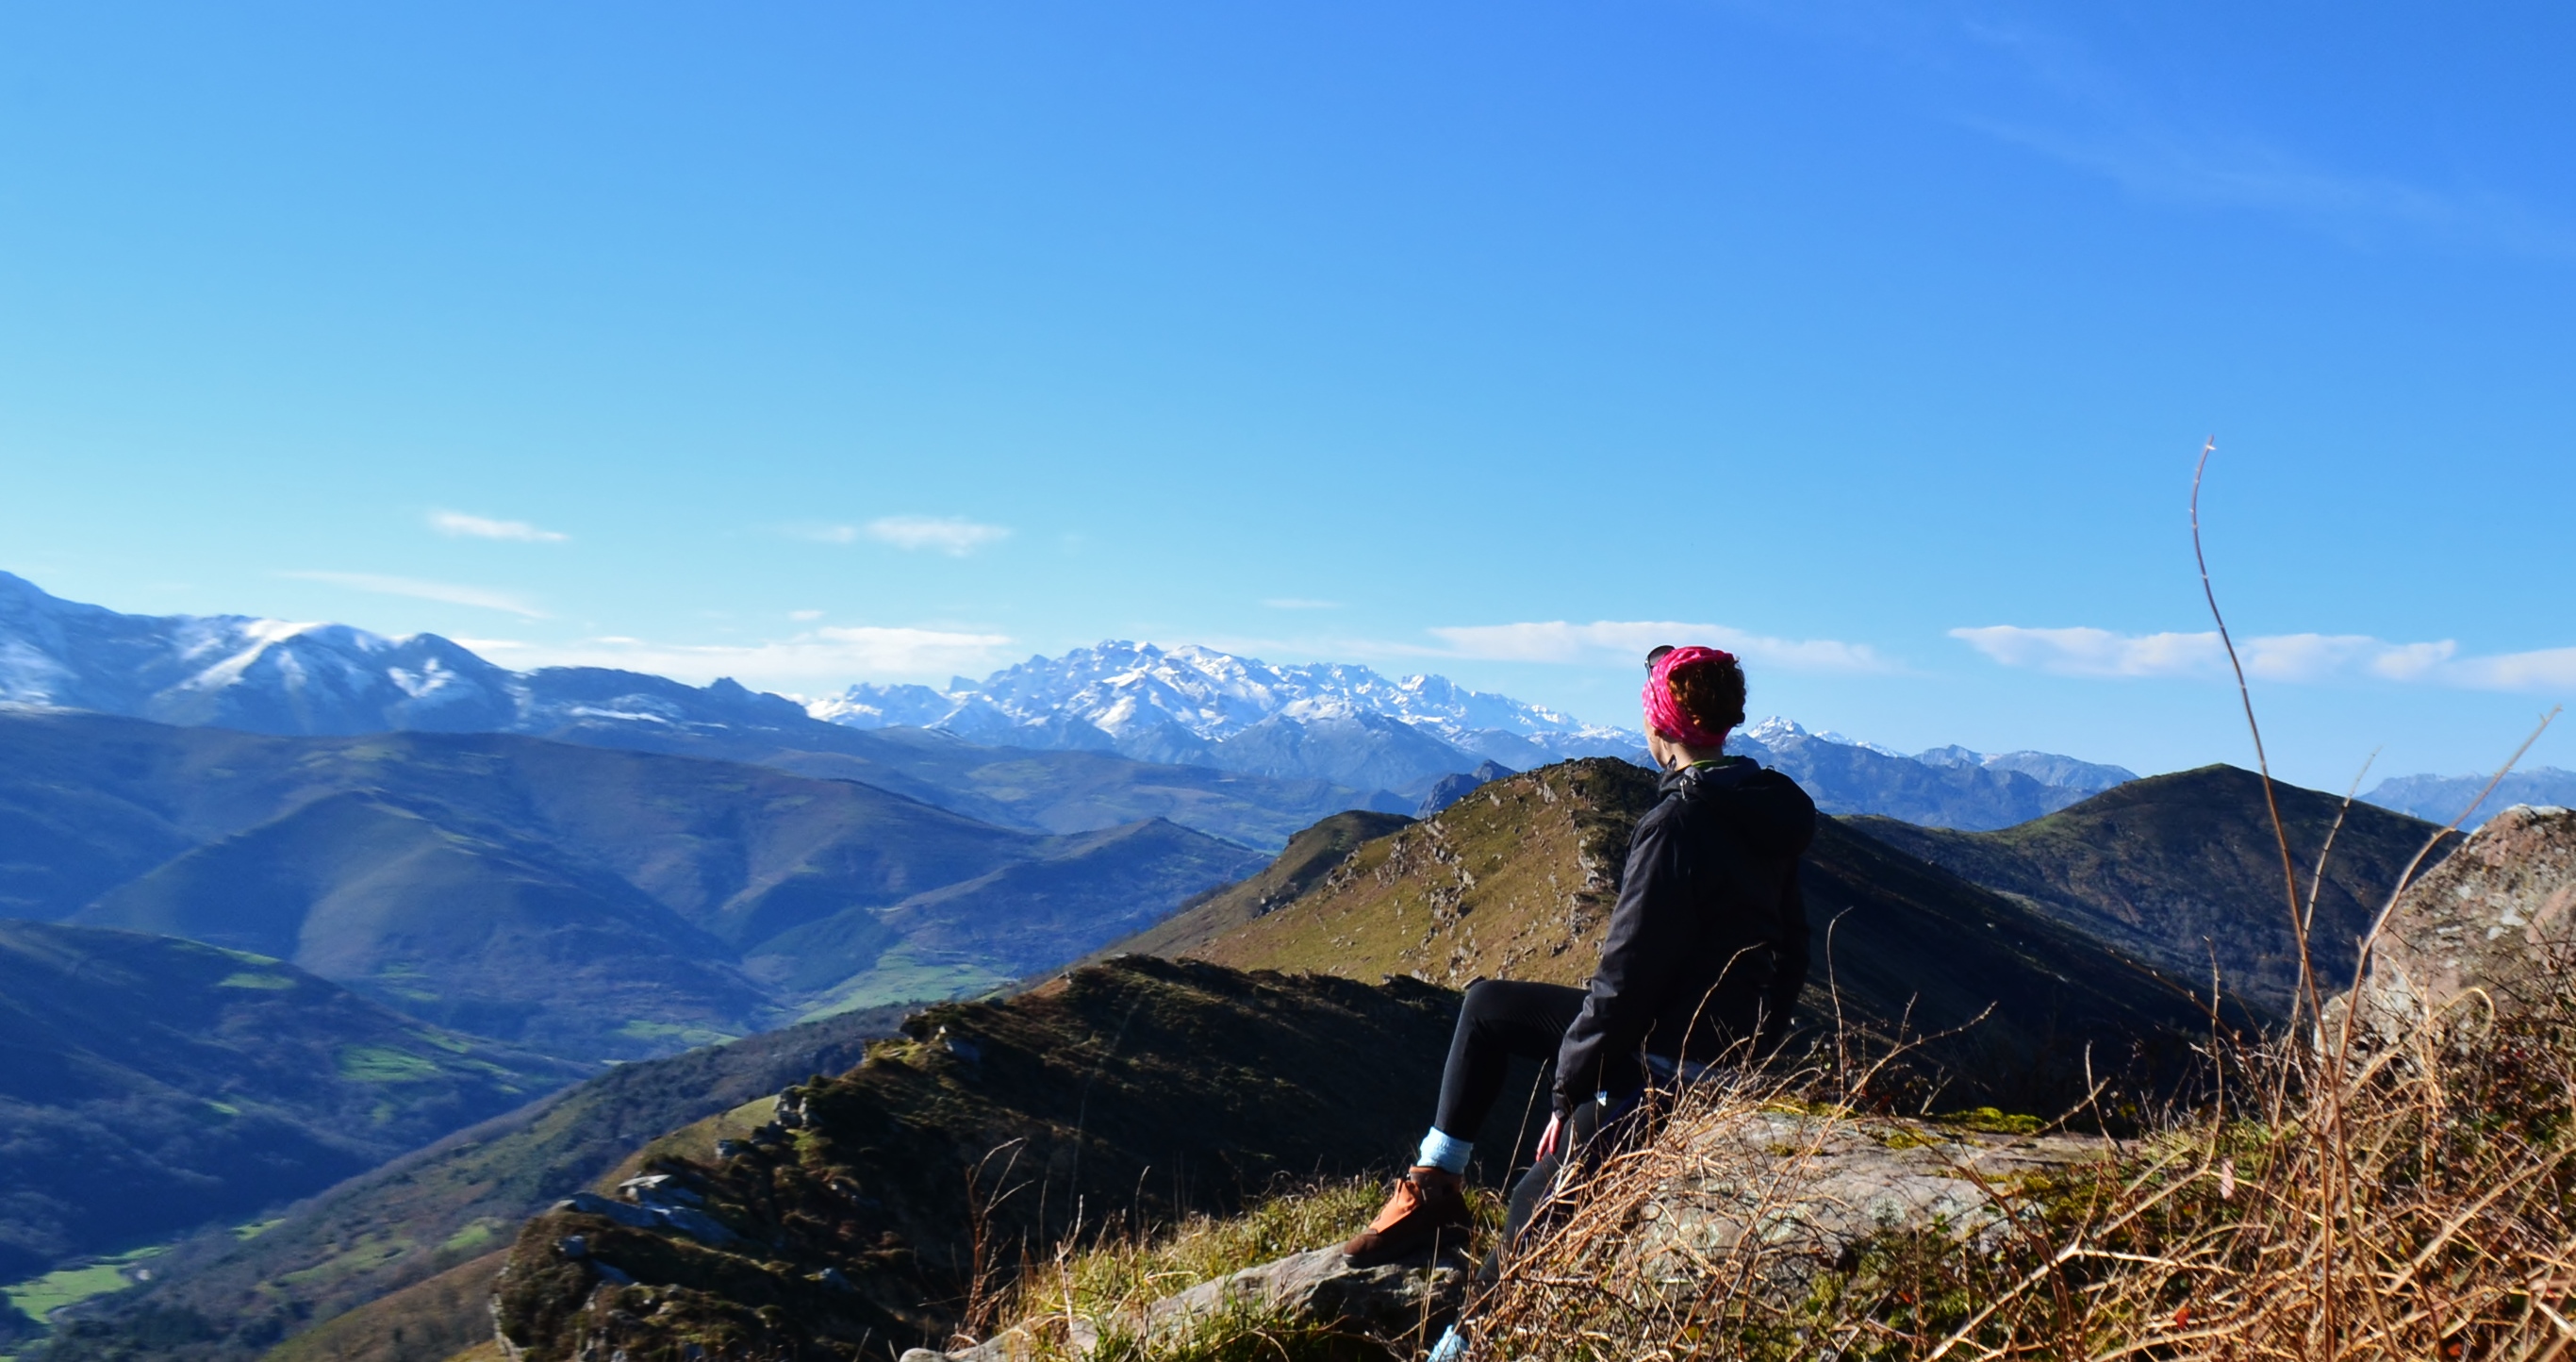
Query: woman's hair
{"points": [[1711, 692]]}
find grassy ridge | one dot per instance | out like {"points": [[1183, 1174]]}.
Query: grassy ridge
{"points": [[1517, 881]]}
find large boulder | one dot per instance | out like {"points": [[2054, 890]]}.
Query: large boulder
{"points": [[2497, 919]]}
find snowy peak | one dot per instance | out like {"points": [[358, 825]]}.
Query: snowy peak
{"points": [[1122, 687], [1196, 705], [237, 671]]}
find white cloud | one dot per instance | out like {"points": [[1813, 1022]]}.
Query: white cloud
{"points": [[1300, 603], [2275, 657], [803, 616], [2545, 669], [456, 524], [948, 534], [828, 657], [428, 591], [1558, 641]]}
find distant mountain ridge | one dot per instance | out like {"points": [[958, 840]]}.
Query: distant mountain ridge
{"points": [[2441, 798], [312, 680], [1339, 735], [1946, 787], [1347, 723]]}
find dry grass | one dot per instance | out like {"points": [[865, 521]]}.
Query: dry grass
{"points": [[1101, 1289], [2439, 1222]]}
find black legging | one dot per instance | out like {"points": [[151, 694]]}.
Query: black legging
{"points": [[1502, 1020]]}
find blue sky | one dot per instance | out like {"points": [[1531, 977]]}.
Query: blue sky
{"points": [[816, 343]]}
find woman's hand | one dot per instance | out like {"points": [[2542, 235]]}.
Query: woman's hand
{"points": [[1552, 1139]]}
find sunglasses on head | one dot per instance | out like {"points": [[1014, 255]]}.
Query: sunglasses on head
{"points": [[1657, 656]]}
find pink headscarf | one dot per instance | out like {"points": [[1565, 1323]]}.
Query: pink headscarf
{"points": [[1664, 713]]}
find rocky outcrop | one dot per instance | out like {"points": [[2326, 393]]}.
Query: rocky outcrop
{"points": [[1397, 1302], [1785, 1193], [2496, 920]]}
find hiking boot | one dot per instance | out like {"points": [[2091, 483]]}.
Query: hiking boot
{"points": [[1427, 1203]]}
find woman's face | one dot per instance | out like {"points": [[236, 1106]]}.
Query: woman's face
{"points": [[1663, 752]]}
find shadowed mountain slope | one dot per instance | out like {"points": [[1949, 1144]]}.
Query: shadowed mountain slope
{"points": [[2174, 868], [438, 1210], [1119, 1094], [149, 1086], [600, 902], [1517, 881]]}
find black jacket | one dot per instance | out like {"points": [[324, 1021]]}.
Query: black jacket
{"points": [[1707, 947]]}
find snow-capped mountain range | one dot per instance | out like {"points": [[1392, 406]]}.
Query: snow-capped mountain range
{"points": [[1197, 706], [1390, 740]]}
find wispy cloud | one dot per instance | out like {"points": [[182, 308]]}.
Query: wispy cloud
{"points": [[458, 525], [1300, 603], [2104, 653], [1559, 641], [828, 657], [950, 535], [417, 589], [2102, 124]]}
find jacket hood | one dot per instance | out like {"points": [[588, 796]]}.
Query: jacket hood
{"points": [[1766, 808]]}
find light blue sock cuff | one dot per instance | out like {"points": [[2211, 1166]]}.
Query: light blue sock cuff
{"points": [[1444, 1152]]}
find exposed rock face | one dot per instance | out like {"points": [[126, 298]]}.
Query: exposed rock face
{"points": [[2497, 918]]}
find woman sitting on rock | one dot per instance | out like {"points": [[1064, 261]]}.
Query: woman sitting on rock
{"points": [[1700, 966]]}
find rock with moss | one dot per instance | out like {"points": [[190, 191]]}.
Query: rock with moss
{"points": [[2495, 921]]}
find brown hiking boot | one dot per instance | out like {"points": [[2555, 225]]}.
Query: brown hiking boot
{"points": [[1426, 1203]]}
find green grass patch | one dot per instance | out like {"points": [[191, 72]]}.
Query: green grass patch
{"points": [[256, 979], [384, 1064], [691, 1036], [41, 1296], [473, 1237], [256, 1228], [902, 977]]}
